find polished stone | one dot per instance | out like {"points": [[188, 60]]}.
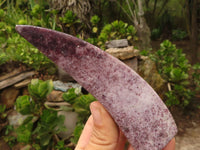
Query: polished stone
{"points": [[134, 105]]}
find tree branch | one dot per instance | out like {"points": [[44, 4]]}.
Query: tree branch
{"points": [[129, 7], [140, 12], [132, 19], [154, 7], [162, 8]]}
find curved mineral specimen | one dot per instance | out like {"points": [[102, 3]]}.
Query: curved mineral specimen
{"points": [[134, 105]]}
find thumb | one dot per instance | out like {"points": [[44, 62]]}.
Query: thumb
{"points": [[105, 132]]}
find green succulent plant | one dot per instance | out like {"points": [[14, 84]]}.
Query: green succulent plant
{"points": [[40, 89], [174, 67]]}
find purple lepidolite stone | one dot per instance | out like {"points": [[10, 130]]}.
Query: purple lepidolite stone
{"points": [[134, 105]]}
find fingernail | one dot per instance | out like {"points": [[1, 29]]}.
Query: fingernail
{"points": [[96, 113]]}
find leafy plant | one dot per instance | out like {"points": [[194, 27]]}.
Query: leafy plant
{"points": [[9, 128], [3, 114], [24, 132], [41, 124], [24, 105], [13, 46], [116, 30], [145, 52], [95, 30], [77, 132], [95, 20], [20, 50], [70, 95], [49, 125], [171, 62], [70, 20], [2, 13], [61, 146], [155, 34], [196, 76], [173, 67], [178, 34], [81, 106], [40, 89], [11, 140], [80, 103]]}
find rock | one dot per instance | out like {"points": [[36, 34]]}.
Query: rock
{"points": [[55, 96], [132, 63], [127, 55], [147, 69], [70, 123], [117, 43], [123, 53], [59, 85], [64, 77], [8, 97], [15, 118]]}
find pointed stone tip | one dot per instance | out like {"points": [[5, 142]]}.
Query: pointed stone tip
{"points": [[19, 28]]}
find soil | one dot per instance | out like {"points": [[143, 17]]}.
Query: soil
{"points": [[188, 123]]}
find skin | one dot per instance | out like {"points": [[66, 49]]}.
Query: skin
{"points": [[102, 133]]}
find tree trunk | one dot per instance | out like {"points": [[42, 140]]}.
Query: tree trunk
{"points": [[82, 8], [143, 30], [194, 32], [135, 13], [144, 34]]}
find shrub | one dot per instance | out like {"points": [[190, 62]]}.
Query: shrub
{"points": [[178, 34], [80, 103], [13, 46], [116, 30], [155, 34], [173, 67], [43, 123], [196, 76]]}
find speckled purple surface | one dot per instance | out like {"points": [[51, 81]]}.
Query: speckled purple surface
{"points": [[134, 105]]}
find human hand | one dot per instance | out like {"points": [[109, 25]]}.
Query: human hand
{"points": [[102, 133]]}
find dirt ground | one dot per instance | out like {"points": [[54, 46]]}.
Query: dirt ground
{"points": [[188, 123], [190, 140]]}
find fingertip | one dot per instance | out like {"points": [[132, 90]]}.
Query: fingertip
{"points": [[96, 113], [95, 104], [171, 145], [130, 147]]}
